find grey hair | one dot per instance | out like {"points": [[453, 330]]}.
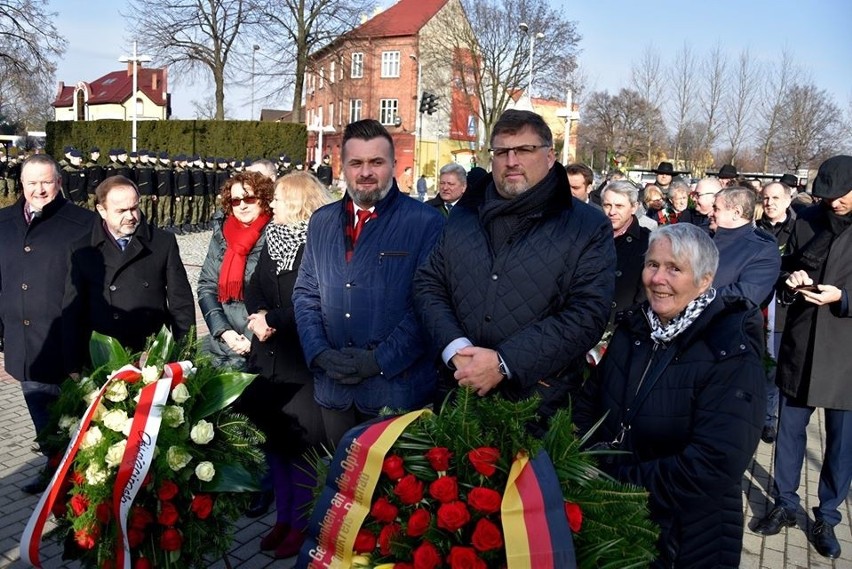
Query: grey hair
{"points": [[624, 188], [738, 196], [692, 245], [265, 167], [678, 185], [454, 168]]}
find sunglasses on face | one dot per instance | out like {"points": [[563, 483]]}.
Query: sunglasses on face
{"points": [[248, 200]]}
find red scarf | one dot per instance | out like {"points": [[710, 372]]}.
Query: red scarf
{"points": [[239, 241]]}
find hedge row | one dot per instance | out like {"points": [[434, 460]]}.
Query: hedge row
{"points": [[237, 139]]}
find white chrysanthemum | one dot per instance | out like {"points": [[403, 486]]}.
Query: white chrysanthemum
{"points": [[202, 432], [90, 396], [180, 393], [114, 420], [125, 428], [95, 474], [117, 391], [92, 437], [100, 410], [177, 458], [115, 453], [205, 471], [173, 415]]}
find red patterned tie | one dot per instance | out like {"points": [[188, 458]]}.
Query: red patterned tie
{"points": [[363, 216]]}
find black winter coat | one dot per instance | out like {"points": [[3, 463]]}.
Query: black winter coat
{"points": [[695, 434], [128, 294], [630, 251], [33, 264], [542, 300], [823, 333]]}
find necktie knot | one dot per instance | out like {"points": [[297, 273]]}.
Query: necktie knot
{"points": [[122, 242]]}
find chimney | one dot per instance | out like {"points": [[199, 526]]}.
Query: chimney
{"points": [[154, 81], [130, 67]]}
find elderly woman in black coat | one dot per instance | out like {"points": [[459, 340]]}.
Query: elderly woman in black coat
{"points": [[682, 385], [281, 398]]}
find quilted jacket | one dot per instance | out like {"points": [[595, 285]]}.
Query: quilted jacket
{"points": [[695, 434], [367, 302], [542, 300]]}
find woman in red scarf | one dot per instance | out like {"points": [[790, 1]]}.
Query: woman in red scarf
{"points": [[235, 247]]}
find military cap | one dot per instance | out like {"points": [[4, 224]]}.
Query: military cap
{"points": [[133, 154], [164, 155], [112, 152], [95, 149], [74, 153]]}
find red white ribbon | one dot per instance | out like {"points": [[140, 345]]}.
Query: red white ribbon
{"points": [[136, 462]]}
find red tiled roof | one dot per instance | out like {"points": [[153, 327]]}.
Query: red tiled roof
{"points": [[405, 18], [117, 87]]}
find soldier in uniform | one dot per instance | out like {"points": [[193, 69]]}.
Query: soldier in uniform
{"points": [[74, 178], [284, 165], [13, 174], [165, 189], [95, 174], [183, 195], [299, 165], [199, 190], [112, 163], [122, 168], [146, 181], [324, 171], [211, 191], [133, 162]]}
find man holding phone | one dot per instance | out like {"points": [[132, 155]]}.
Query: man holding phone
{"points": [[813, 363]]}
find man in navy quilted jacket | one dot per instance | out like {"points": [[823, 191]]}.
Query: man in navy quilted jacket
{"points": [[353, 296], [520, 285]]}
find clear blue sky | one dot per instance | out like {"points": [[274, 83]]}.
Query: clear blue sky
{"points": [[615, 33]]}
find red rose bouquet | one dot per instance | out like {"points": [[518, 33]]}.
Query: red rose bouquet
{"points": [[470, 488], [153, 461]]}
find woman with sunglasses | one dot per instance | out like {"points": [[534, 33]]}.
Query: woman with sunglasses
{"points": [[238, 238]]}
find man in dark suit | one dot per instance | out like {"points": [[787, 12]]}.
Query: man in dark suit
{"points": [[36, 236], [452, 184], [126, 278]]}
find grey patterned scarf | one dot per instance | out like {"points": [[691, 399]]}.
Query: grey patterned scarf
{"points": [[284, 242], [663, 334]]}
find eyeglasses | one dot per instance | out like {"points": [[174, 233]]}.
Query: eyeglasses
{"points": [[248, 200], [521, 151]]}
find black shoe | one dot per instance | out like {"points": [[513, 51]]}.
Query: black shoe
{"points": [[769, 434], [36, 486], [778, 518], [260, 504], [822, 536]]}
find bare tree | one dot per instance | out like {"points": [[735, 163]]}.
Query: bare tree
{"points": [[742, 90], [814, 127], [193, 37], [293, 29], [682, 94], [713, 70], [496, 67], [646, 78], [770, 105], [29, 44]]}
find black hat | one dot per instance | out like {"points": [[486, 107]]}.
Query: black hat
{"points": [[74, 153], [133, 155], [834, 178], [67, 149], [326, 157], [121, 151], [664, 168], [164, 155], [727, 171], [789, 180], [112, 152], [285, 158], [95, 149]]}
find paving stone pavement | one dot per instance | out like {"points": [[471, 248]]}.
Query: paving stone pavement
{"points": [[19, 464]]}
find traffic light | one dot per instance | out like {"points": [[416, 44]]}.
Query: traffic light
{"points": [[428, 102], [424, 101], [431, 103]]}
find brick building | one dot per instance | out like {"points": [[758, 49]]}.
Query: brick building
{"points": [[378, 70]]}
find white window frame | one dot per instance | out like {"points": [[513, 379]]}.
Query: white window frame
{"points": [[331, 73], [390, 64], [321, 77], [355, 108], [388, 111], [357, 70]]}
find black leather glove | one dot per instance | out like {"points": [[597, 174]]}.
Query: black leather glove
{"points": [[364, 360], [339, 367]]}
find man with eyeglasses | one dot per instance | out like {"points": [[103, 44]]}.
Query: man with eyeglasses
{"points": [[704, 196], [36, 237], [520, 285]]}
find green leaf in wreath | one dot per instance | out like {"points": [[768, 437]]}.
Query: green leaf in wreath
{"points": [[231, 478], [162, 348], [107, 350], [221, 391]]}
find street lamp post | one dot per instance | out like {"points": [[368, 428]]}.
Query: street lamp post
{"points": [[254, 49], [533, 36], [418, 120], [136, 59]]}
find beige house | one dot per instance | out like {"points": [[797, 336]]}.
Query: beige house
{"points": [[112, 97]]}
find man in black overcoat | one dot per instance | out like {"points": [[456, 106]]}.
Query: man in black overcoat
{"points": [[126, 278]]}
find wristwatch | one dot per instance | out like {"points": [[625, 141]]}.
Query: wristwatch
{"points": [[504, 371]]}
